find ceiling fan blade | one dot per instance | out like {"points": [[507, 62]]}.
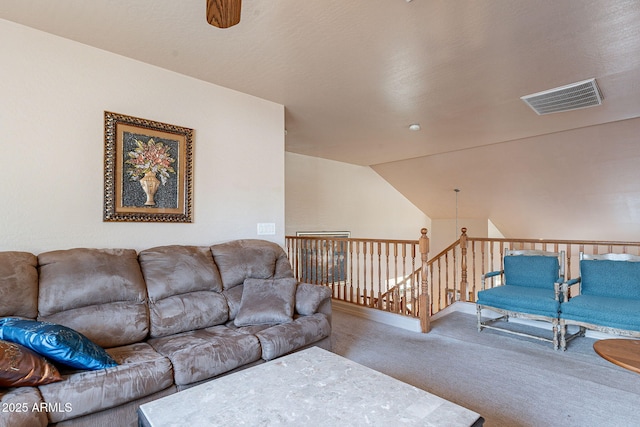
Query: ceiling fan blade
{"points": [[223, 13]]}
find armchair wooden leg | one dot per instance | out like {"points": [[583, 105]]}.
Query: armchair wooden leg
{"points": [[555, 334], [563, 333], [479, 311]]}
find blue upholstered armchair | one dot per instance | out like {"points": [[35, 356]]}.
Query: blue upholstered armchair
{"points": [[608, 299], [531, 289]]}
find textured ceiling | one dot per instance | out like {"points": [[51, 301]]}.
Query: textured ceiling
{"points": [[354, 74]]}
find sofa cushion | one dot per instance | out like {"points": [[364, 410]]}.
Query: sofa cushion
{"points": [[205, 353], [20, 367], [287, 337], [174, 270], [184, 289], [98, 292], [107, 325], [309, 297], [603, 311], [180, 313], [266, 302], [250, 258], [57, 342], [141, 371], [531, 271], [19, 290], [521, 299], [607, 278], [24, 398]]}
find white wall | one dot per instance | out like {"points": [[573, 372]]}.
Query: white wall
{"points": [[494, 232], [445, 232], [325, 195], [54, 94]]}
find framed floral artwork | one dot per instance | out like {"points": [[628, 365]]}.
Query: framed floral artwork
{"points": [[148, 170]]}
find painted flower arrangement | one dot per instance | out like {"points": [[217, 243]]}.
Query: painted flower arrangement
{"points": [[151, 157]]}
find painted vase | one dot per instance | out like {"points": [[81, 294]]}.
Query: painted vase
{"points": [[150, 184]]}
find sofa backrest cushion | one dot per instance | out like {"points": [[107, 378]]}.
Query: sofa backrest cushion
{"points": [[250, 259], [18, 284], [184, 288], [97, 292], [533, 271], [607, 278]]}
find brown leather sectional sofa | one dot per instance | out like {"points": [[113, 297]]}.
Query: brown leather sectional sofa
{"points": [[171, 317]]}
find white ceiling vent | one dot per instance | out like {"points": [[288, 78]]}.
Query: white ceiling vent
{"points": [[570, 97]]}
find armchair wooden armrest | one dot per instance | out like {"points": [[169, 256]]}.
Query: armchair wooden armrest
{"points": [[490, 274], [565, 287]]}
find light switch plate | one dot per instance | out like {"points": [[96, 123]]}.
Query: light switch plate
{"points": [[266, 228]]}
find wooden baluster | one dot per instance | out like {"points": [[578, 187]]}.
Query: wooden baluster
{"points": [[320, 261], [483, 268], [351, 263], [305, 261], [463, 265], [364, 273], [413, 280], [296, 258], [344, 251], [300, 261], [315, 262], [501, 266], [399, 293], [425, 316], [391, 296], [379, 270], [431, 291], [372, 266], [358, 272], [473, 272], [440, 282], [446, 279], [324, 247], [331, 263], [454, 272], [387, 274], [568, 269]]}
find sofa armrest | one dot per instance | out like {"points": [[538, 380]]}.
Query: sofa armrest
{"points": [[490, 274], [310, 297]]}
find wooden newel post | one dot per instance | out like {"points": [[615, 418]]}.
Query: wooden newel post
{"points": [[423, 301], [463, 265]]}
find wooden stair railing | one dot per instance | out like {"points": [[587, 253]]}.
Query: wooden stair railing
{"points": [[395, 293], [397, 275], [388, 274]]}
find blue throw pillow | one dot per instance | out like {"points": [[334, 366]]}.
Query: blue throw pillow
{"points": [[57, 342]]}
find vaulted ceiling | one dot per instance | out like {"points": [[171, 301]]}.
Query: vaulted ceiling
{"points": [[353, 75]]}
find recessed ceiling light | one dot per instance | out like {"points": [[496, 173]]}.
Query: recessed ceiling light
{"points": [[414, 127]]}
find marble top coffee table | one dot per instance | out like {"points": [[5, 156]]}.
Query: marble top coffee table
{"points": [[312, 387]]}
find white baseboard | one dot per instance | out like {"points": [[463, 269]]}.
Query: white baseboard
{"points": [[392, 319], [413, 324]]}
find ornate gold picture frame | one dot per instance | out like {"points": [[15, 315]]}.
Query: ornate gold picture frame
{"points": [[148, 170]]}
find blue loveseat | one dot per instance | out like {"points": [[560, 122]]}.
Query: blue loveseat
{"points": [[531, 289], [608, 299]]}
